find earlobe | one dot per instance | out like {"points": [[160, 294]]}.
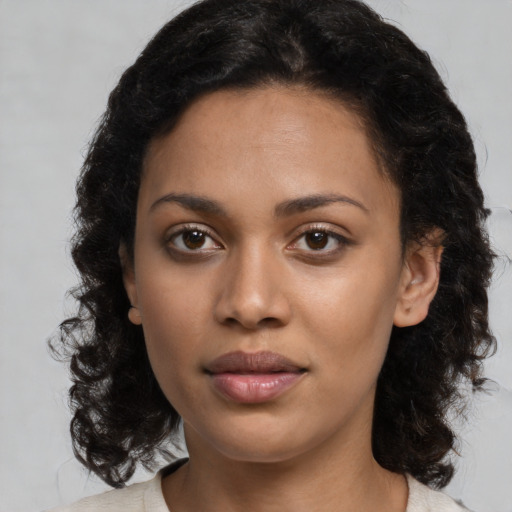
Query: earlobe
{"points": [[134, 315], [419, 280], [129, 284]]}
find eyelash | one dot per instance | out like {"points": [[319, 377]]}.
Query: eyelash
{"points": [[171, 238], [341, 241]]}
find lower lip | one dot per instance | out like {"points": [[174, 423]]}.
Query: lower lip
{"points": [[254, 388]]}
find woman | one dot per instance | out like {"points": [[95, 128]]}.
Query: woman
{"points": [[280, 237]]}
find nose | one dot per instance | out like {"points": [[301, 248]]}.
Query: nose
{"points": [[253, 293]]}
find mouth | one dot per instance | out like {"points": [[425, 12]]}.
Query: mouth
{"points": [[252, 378]]}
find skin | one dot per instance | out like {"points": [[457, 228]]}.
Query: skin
{"points": [[253, 280]]}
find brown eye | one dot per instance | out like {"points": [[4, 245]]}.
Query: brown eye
{"points": [[321, 241], [316, 239], [193, 239]]}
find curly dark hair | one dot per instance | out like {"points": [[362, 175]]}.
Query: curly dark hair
{"points": [[345, 49]]}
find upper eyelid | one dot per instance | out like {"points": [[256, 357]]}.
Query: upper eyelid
{"points": [[324, 227], [181, 228]]}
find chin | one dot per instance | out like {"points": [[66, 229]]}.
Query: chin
{"points": [[261, 442]]}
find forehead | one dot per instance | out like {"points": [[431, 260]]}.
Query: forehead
{"points": [[292, 140]]}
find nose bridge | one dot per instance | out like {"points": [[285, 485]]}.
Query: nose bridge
{"points": [[252, 294]]}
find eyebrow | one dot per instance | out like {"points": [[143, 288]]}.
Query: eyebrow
{"points": [[192, 202], [286, 208], [302, 204]]}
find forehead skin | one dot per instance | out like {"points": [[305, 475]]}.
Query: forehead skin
{"points": [[278, 125]]}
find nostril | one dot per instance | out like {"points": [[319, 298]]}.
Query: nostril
{"points": [[269, 322], [230, 321]]}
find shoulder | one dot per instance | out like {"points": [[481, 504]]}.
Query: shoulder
{"points": [[141, 497], [424, 499]]}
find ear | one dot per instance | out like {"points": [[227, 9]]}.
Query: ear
{"points": [[129, 284], [419, 279]]}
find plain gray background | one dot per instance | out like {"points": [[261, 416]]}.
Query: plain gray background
{"points": [[58, 61]]}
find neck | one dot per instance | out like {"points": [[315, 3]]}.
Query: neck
{"points": [[340, 479]]}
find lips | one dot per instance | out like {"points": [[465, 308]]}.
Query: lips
{"points": [[253, 377]]}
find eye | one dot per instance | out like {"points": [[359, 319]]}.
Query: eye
{"points": [[193, 239], [316, 240], [320, 240]]}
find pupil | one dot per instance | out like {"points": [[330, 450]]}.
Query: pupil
{"points": [[193, 239], [316, 240]]}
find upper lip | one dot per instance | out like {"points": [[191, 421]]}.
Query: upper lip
{"points": [[246, 362]]}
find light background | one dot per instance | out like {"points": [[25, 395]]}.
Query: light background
{"points": [[58, 61]]}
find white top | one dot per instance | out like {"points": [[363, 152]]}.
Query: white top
{"points": [[148, 497]]}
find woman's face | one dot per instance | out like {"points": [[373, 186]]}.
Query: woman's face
{"points": [[267, 272]]}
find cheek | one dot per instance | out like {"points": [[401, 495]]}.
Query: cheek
{"points": [[173, 302], [174, 319], [353, 304], [351, 318], [171, 343]]}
